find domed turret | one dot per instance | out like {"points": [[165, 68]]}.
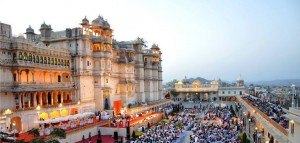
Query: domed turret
{"points": [[30, 33], [98, 21], [85, 20], [44, 25], [155, 46], [45, 30], [29, 30], [106, 24], [240, 81]]}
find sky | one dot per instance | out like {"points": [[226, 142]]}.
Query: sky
{"points": [[259, 40]]}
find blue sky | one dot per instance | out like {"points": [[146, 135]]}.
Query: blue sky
{"points": [[213, 38]]}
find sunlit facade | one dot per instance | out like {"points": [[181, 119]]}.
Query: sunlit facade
{"points": [[213, 91], [59, 73]]}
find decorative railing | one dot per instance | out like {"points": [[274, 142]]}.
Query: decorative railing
{"points": [[202, 89], [275, 124], [38, 84], [147, 107], [11, 111]]}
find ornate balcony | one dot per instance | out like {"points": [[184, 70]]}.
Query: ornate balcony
{"points": [[35, 86], [101, 40]]}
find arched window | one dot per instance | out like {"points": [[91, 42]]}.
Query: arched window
{"points": [[45, 60], [30, 57], [58, 62], [41, 59], [55, 61], [33, 58], [20, 56], [52, 61], [68, 62], [65, 63], [25, 57], [14, 56], [48, 60], [37, 59]]}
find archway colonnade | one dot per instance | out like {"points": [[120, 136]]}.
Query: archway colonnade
{"points": [[43, 98], [23, 76]]}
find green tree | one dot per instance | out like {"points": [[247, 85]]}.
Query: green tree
{"points": [[174, 93], [171, 84]]}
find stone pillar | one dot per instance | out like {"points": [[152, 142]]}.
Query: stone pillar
{"points": [[46, 98], [32, 75], [20, 101], [51, 98], [29, 100], [61, 97], [40, 99], [23, 101], [19, 76]]}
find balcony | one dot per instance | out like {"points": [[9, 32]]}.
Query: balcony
{"points": [[264, 116], [101, 54], [35, 86], [100, 40], [63, 105], [199, 89], [41, 65]]}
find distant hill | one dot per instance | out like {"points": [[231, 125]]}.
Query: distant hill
{"points": [[202, 80], [280, 82]]}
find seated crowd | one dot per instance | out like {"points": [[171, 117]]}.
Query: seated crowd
{"points": [[273, 111], [216, 126]]}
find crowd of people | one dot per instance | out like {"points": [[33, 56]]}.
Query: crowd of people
{"points": [[46, 129], [215, 125], [273, 111], [207, 123]]}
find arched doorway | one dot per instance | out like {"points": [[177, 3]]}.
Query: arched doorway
{"points": [[16, 123], [49, 98], [59, 98], [106, 99], [206, 96]]}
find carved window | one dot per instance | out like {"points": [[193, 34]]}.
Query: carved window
{"points": [[41, 59], [14, 56], [58, 62], [52, 61], [45, 60], [30, 57], [37, 59], [48, 60], [55, 61], [25, 56], [33, 58]]}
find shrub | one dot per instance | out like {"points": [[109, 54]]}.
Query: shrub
{"points": [[138, 134]]}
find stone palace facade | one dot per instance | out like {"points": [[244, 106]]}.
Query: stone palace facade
{"points": [[72, 71]]}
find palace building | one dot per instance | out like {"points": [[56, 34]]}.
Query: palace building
{"points": [[213, 91], [82, 69]]}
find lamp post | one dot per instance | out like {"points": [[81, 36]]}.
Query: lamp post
{"points": [[249, 126], [14, 124], [256, 135]]}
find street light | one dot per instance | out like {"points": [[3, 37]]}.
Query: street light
{"points": [[14, 124], [245, 119], [249, 127], [256, 135]]}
